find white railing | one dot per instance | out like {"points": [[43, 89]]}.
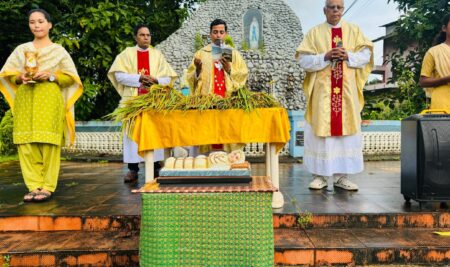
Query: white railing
{"points": [[381, 143], [375, 143], [97, 142]]}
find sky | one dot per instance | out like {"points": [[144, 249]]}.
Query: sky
{"points": [[369, 15]]}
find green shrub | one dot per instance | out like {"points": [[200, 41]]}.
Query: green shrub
{"points": [[262, 48], [244, 45], [198, 41], [398, 104], [229, 41], [7, 146]]}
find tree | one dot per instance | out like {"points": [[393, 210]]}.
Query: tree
{"points": [[93, 32], [419, 25], [421, 21]]}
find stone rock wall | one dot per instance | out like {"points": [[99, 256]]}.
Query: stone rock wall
{"points": [[272, 69]]}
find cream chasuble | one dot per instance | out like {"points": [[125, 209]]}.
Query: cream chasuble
{"points": [[54, 59], [318, 85], [127, 62], [204, 84]]}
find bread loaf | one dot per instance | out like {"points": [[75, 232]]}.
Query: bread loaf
{"points": [[219, 161], [236, 157], [244, 165], [169, 163], [188, 163], [201, 162], [179, 164]]}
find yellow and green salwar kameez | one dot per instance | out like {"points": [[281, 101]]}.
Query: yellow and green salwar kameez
{"points": [[42, 112]]}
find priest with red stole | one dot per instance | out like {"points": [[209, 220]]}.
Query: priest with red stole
{"points": [[337, 59], [209, 74], [132, 73]]}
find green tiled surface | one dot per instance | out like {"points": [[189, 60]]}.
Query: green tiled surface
{"points": [[207, 229]]}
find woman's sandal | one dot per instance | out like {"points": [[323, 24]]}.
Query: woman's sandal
{"points": [[29, 197], [42, 196]]}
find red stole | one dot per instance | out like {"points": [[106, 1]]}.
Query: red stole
{"points": [[219, 81], [337, 87], [143, 66], [219, 89]]}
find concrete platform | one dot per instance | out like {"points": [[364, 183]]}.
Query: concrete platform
{"points": [[94, 220], [83, 184]]}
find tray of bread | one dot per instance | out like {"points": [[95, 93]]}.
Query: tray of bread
{"points": [[217, 167]]}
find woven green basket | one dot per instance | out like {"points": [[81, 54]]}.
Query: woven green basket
{"points": [[207, 229]]}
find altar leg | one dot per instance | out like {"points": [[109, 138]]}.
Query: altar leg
{"points": [[268, 170], [148, 157], [278, 199]]}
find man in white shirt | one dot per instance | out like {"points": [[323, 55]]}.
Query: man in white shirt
{"points": [[337, 58], [132, 73]]}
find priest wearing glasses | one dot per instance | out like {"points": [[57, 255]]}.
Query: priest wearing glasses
{"points": [[338, 59]]}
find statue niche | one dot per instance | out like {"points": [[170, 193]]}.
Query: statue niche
{"points": [[253, 29]]}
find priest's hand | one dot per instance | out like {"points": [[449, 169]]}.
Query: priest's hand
{"points": [[146, 80], [198, 66], [342, 54], [336, 54], [226, 65], [153, 80]]}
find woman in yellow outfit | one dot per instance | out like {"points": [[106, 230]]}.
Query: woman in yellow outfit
{"points": [[42, 106], [435, 73]]}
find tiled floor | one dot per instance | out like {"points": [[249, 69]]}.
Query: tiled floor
{"points": [[97, 189]]}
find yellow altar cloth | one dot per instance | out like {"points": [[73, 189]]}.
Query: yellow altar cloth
{"points": [[153, 130]]}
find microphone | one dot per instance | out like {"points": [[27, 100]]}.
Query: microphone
{"points": [[335, 61]]}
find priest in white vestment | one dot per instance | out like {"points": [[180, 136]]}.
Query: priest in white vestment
{"points": [[338, 59]]}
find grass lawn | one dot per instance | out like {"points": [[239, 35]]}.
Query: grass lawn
{"points": [[8, 158]]}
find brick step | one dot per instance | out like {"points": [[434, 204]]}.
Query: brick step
{"points": [[372, 220], [319, 221], [314, 247], [70, 223], [69, 248], [350, 247]]}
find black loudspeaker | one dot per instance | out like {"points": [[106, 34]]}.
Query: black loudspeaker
{"points": [[425, 158]]}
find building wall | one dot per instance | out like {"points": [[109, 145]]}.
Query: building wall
{"points": [[389, 47]]}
